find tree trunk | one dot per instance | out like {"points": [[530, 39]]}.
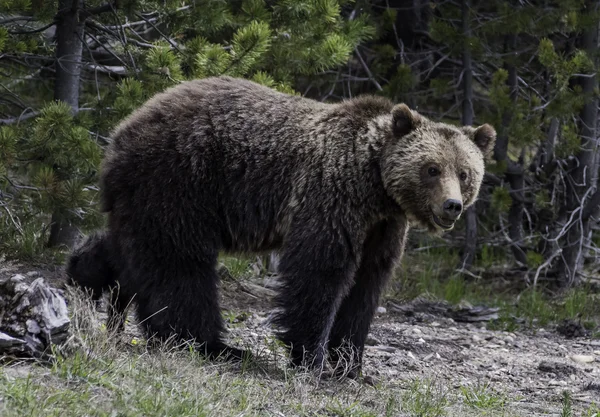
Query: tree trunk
{"points": [[470, 248], [69, 45], [584, 176], [514, 170]]}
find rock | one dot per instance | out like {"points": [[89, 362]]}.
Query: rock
{"points": [[509, 339], [571, 329], [557, 368], [381, 310], [7, 341], [416, 330], [467, 313], [34, 316], [372, 340], [476, 338], [369, 380], [582, 358], [592, 386], [387, 349]]}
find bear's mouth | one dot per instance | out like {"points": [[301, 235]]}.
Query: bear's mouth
{"points": [[444, 224]]}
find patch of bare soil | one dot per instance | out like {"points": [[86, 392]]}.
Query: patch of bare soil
{"points": [[531, 368]]}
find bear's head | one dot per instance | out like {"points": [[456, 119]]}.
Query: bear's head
{"points": [[433, 171]]}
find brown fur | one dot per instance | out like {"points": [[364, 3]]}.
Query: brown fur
{"points": [[224, 164]]}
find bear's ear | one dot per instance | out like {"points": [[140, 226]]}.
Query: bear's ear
{"points": [[404, 120], [484, 137]]}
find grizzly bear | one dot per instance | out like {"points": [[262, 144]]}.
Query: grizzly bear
{"points": [[225, 164]]}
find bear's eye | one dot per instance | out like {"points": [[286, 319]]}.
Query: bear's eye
{"points": [[433, 172], [463, 176]]}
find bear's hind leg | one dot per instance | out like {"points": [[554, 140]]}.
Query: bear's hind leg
{"points": [[117, 308], [181, 301], [382, 249]]}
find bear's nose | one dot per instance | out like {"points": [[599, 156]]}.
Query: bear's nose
{"points": [[453, 208]]}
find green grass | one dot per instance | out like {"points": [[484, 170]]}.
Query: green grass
{"points": [[567, 404], [483, 397], [434, 272], [237, 266], [426, 398]]}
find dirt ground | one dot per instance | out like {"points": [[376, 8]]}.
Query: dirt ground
{"points": [[531, 368]]}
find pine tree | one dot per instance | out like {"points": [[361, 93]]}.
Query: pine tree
{"points": [[74, 69]]}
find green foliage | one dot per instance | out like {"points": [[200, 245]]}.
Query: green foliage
{"points": [[501, 199], [569, 142], [249, 45], [455, 289], [534, 259], [401, 83], [8, 148], [272, 43], [60, 160], [567, 405], [425, 398], [482, 397], [535, 308], [237, 266]]}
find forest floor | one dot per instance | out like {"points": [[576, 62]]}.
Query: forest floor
{"points": [[419, 362]]}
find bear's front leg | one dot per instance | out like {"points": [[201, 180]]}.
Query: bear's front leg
{"points": [[382, 249], [317, 272]]}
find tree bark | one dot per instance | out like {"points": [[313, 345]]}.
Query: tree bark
{"points": [[514, 173], [470, 248], [69, 46], [584, 176]]}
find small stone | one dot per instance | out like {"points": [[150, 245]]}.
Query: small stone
{"points": [[557, 368], [420, 341], [476, 338], [597, 352], [583, 358], [381, 310], [573, 377], [426, 358], [369, 380], [509, 339], [387, 349], [33, 326], [435, 324], [416, 330], [372, 340]]}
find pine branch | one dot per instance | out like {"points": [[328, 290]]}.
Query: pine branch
{"points": [[21, 117], [28, 32]]}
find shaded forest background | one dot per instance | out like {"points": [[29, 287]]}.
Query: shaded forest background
{"points": [[71, 69]]}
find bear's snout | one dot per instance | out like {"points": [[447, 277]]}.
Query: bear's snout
{"points": [[452, 208]]}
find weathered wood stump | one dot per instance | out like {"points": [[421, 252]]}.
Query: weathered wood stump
{"points": [[33, 316]]}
